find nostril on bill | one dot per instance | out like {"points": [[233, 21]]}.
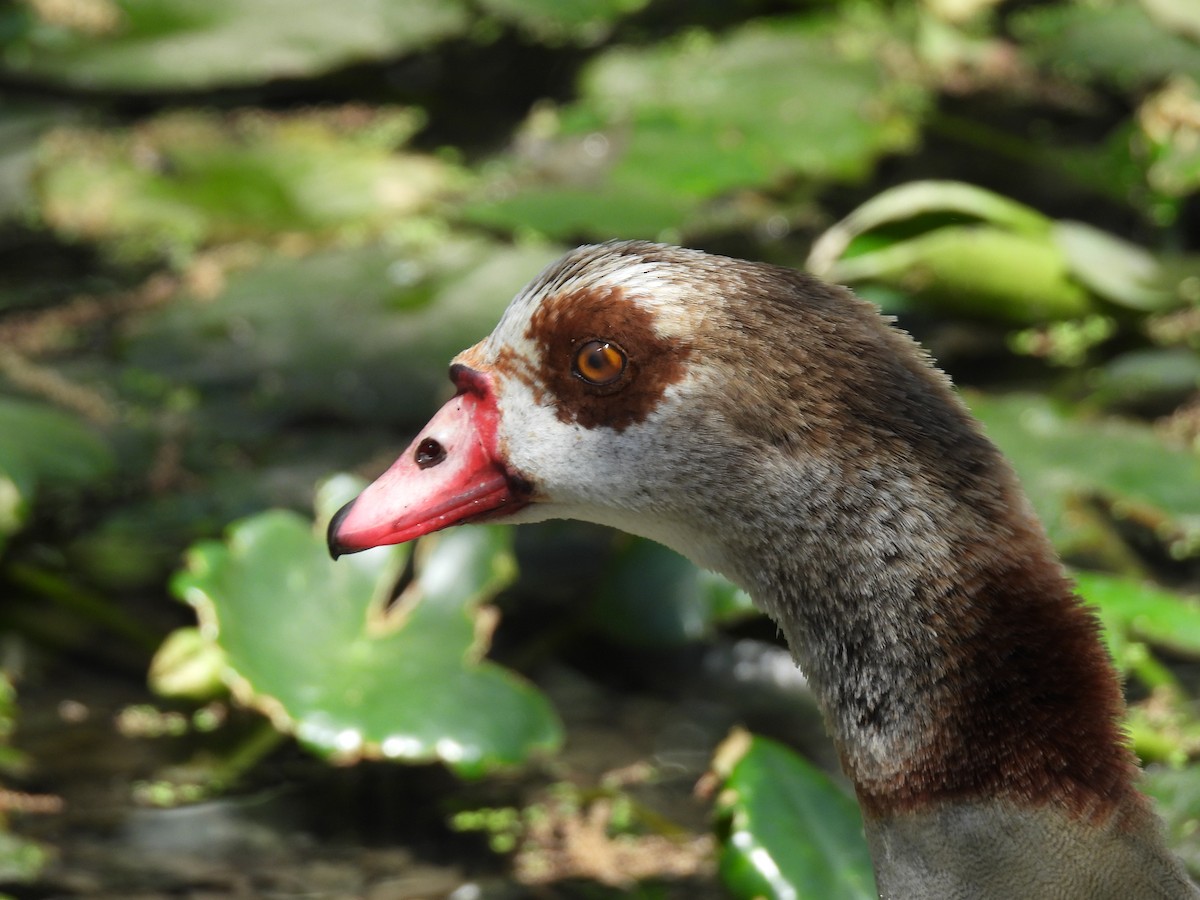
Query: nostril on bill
{"points": [[429, 453]]}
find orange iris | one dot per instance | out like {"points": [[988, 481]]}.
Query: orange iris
{"points": [[599, 362]]}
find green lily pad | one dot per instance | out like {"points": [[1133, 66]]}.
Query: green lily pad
{"points": [[823, 105], [316, 646], [789, 831], [167, 45], [40, 445], [652, 596], [1066, 460], [186, 179], [661, 130]]}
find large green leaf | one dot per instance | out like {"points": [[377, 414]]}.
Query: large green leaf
{"points": [[661, 130], [1006, 261], [1065, 461], [315, 645], [790, 832], [782, 96], [924, 198], [160, 45], [976, 271]]}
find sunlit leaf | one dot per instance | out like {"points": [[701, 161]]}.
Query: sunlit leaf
{"points": [[1134, 609], [1182, 16], [1004, 265], [790, 832], [186, 179], [315, 645], [1010, 262], [975, 271], [922, 198], [822, 106], [158, 45]]}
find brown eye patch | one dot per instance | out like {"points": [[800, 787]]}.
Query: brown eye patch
{"points": [[642, 365]]}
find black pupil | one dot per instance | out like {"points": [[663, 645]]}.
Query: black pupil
{"points": [[598, 359], [429, 453]]}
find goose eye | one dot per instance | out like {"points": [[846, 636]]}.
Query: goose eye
{"points": [[599, 362]]}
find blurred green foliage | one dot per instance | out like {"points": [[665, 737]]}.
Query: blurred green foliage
{"points": [[239, 241]]}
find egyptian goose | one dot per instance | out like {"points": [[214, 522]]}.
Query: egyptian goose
{"points": [[780, 431]]}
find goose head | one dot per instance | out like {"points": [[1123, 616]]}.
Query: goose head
{"points": [[686, 398], [780, 431]]}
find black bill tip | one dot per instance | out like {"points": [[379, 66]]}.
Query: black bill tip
{"points": [[336, 547]]}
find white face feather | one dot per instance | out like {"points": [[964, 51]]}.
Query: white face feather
{"points": [[623, 477]]}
